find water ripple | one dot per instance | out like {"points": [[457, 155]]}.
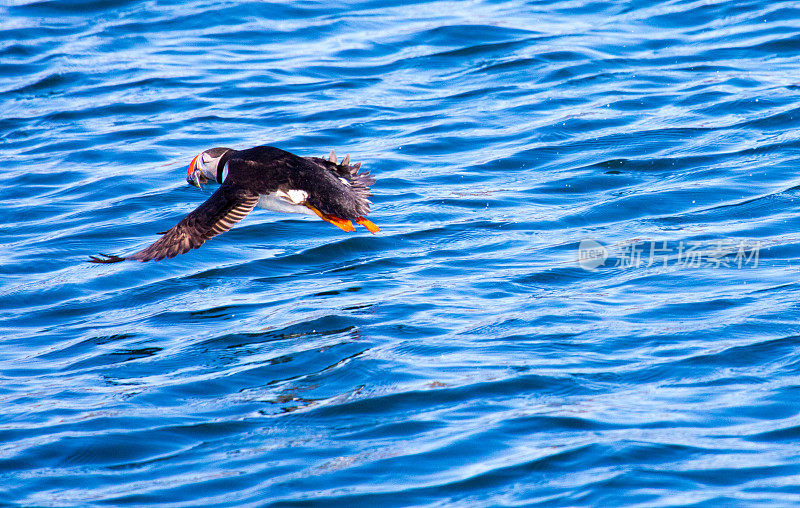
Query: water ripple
{"points": [[462, 356]]}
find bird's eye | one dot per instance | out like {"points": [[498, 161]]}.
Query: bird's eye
{"points": [[206, 158]]}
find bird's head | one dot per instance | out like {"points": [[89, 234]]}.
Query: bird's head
{"points": [[205, 167]]}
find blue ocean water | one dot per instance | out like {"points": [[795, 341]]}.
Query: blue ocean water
{"points": [[584, 293]]}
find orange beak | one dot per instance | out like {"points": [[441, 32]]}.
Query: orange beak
{"points": [[192, 165], [193, 177]]}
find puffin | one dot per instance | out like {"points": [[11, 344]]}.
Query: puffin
{"points": [[267, 177]]}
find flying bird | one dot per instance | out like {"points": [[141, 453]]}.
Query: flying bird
{"points": [[270, 178]]}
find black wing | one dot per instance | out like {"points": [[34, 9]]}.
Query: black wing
{"points": [[227, 206], [334, 189]]}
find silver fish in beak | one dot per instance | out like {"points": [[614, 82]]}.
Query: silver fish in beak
{"points": [[195, 175]]}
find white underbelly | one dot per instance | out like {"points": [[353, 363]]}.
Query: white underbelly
{"points": [[280, 204]]}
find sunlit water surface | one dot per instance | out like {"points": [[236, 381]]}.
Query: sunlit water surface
{"points": [[462, 355]]}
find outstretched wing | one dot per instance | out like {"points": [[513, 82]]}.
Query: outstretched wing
{"points": [[227, 206]]}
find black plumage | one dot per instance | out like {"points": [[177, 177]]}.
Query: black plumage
{"points": [[266, 169], [334, 191]]}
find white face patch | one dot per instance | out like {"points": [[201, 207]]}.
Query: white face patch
{"points": [[202, 165], [293, 196], [224, 171]]}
